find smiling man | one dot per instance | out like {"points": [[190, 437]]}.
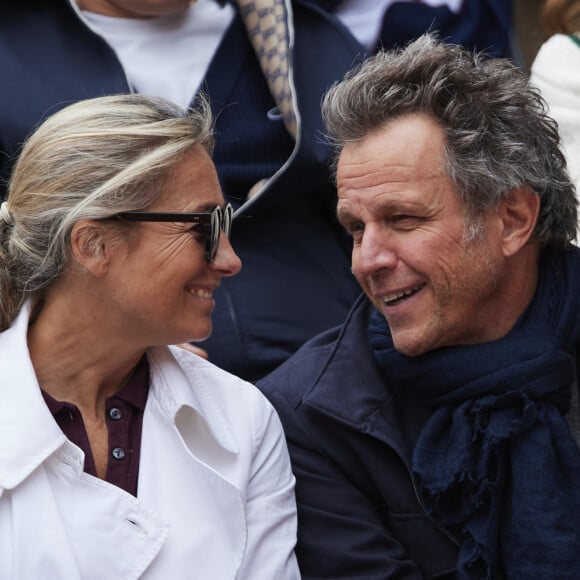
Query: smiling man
{"points": [[432, 434]]}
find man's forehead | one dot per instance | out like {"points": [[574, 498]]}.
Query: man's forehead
{"points": [[393, 155], [387, 183], [389, 202]]}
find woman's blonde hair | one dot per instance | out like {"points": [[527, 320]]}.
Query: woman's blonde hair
{"points": [[91, 160]]}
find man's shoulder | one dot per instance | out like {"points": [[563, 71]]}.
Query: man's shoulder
{"points": [[296, 375], [301, 372]]}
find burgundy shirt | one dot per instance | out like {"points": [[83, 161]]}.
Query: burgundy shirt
{"points": [[124, 412]]}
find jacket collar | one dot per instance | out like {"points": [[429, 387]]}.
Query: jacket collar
{"points": [[350, 386]]}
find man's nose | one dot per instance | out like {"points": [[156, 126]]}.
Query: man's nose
{"points": [[377, 251]]}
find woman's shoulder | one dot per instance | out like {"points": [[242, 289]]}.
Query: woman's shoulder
{"points": [[190, 379], [224, 421]]}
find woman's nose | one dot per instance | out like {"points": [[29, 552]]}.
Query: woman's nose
{"points": [[226, 260]]}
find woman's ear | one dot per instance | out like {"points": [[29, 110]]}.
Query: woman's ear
{"points": [[519, 214], [91, 246]]}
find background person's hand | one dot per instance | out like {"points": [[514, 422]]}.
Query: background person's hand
{"points": [[194, 349]]}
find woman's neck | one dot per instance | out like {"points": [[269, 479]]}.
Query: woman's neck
{"points": [[76, 356]]}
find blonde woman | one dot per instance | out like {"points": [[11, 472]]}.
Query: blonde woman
{"points": [[121, 457]]}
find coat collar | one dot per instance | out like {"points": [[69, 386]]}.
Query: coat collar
{"points": [[181, 379], [29, 433], [350, 386]]}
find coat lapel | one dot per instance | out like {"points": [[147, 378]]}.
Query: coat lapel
{"points": [[186, 447]]}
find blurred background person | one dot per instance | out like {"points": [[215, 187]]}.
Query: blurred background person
{"points": [[119, 456], [556, 72], [476, 24]]}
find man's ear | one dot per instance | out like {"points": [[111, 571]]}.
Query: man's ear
{"points": [[518, 213], [91, 246]]}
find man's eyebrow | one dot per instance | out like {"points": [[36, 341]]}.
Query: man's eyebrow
{"points": [[343, 214]]}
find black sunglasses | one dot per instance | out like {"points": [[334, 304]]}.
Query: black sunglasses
{"points": [[211, 223]]}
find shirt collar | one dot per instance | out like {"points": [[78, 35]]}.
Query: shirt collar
{"points": [[136, 388], [134, 391]]}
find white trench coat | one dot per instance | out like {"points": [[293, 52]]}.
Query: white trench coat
{"points": [[215, 495]]}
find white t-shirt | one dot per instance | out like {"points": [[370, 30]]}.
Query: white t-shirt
{"points": [[166, 56]]}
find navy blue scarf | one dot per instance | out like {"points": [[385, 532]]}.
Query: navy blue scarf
{"points": [[496, 458]]}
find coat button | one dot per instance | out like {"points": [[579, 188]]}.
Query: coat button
{"points": [[118, 453]]}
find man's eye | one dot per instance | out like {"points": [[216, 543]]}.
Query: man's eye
{"points": [[355, 228], [404, 221]]}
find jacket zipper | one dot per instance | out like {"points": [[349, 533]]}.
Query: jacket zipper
{"points": [[421, 503]]}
